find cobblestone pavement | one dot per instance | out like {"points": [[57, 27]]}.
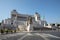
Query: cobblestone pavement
{"points": [[31, 36]]}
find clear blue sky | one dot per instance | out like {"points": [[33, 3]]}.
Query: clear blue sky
{"points": [[48, 8]]}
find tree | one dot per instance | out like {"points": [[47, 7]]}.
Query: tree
{"points": [[0, 23], [58, 26]]}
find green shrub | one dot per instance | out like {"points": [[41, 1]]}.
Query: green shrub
{"points": [[2, 31], [14, 31], [11, 31], [6, 31]]}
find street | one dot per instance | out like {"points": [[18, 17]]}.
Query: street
{"points": [[31, 36]]}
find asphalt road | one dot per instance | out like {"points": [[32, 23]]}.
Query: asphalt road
{"points": [[31, 36]]}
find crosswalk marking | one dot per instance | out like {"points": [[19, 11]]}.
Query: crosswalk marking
{"points": [[41, 35], [53, 36], [10, 35], [22, 37], [28, 34], [45, 36]]}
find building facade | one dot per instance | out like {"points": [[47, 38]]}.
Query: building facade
{"points": [[24, 21]]}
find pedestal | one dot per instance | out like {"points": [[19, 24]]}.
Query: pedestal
{"points": [[29, 27]]}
